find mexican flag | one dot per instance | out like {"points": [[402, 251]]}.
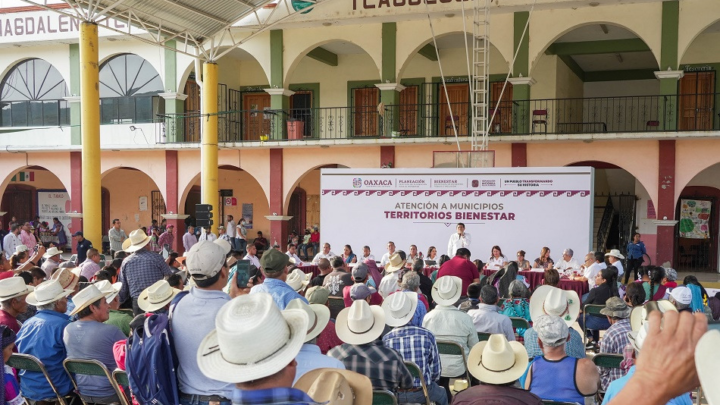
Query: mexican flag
{"points": [[24, 176]]}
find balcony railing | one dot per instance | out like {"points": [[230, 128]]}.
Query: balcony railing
{"points": [[695, 112]]}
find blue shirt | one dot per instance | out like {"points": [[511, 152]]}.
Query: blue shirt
{"points": [[42, 336], [92, 340], [617, 385], [281, 292], [310, 358], [271, 396], [635, 250], [417, 345], [82, 248]]}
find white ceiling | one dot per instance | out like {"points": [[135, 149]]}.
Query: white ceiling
{"points": [[595, 33], [609, 61]]}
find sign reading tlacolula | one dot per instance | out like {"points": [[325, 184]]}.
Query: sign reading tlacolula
{"points": [[514, 208]]}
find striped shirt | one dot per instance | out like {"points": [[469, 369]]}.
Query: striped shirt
{"points": [[418, 346], [614, 341], [383, 366]]}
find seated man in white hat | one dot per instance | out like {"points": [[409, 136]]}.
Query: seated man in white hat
{"points": [[336, 387], [310, 357], [52, 260], [556, 376], [615, 338], [69, 277], [263, 367], [157, 297], [360, 327], [118, 318], [487, 318], [42, 336], [450, 324], [13, 294], [415, 344], [615, 258], [548, 300], [497, 364], [389, 282], [274, 266], [90, 339]]}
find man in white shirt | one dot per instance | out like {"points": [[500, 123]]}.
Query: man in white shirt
{"points": [[251, 252], [230, 230], [386, 257], [241, 236], [458, 240], [292, 253], [325, 254], [366, 255], [12, 240], [594, 262], [615, 257], [207, 235], [568, 264], [117, 236]]}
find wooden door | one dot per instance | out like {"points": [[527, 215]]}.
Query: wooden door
{"points": [[365, 102], [256, 122], [459, 97], [191, 122], [18, 202], [409, 110], [503, 117], [697, 101]]}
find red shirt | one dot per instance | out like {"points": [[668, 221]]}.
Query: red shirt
{"points": [[328, 338], [375, 298], [8, 321], [460, 267], [315, 237]]}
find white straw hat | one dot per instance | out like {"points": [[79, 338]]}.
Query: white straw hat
{"points": [[318, 316], [47, 292], [396, 263], [271, 339], [14, 287], [497, 361], [110, 290], [157, 296], [615, 253], [68, 277], [639, 315], [360, 323], [138, 239], [447, 290], [298, 279], [336, 387], [400, 308], [84, 298], [548, 300], [53, 251], [707, 357]]}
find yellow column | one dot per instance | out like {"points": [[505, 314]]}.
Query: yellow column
{"points": [[209, 145], [90, 130]]}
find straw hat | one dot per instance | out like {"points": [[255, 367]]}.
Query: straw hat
{"points": [[336, 387], [547, 300], [138, 239], [21, 248], [68, 277], [497, 361], [639, 315], [298, 279], [84, 298], [47, 292], [318, 316], [271, 339], [396, 263], [14, 287], [110, 290], [615, 253], [447, 290], [707, 357], [400, 308], [157, 296], [360, 323], [53, 251]]}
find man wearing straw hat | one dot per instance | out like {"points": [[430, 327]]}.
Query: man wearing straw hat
{"points": [[498, 364], [13, 294], [42, 336], [336, 387], [90, 339], [141, 269], [52, 260]]}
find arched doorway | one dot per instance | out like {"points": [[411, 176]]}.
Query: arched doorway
{"points": [[131, 196]]}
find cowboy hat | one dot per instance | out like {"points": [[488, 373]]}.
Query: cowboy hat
{"points": [[53, 251], [615, 253], [86, 297], [639, 315], [47, 292], [157, 296], [67, 277], [14, 287], [110, 290], [126, 244], [547, 300], [336, 387], [497, 361], [271, 339], [298, 279], [360, 323], [396, 263], [21, 248], [707, 357], [138, 239], [400, 308], [318, 316], [447, 290]]}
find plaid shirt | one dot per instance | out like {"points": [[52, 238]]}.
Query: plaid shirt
{"points": [[141, 270], [417, 345], [166, 238], [383, 366], [614, 341], [269, 396]]}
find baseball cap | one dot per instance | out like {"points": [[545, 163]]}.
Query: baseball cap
{"points": [[204, 260], [317, 295], [360, 292], [360, 272], [274, 261], [682, 295], [551, 330], [78, 233]]}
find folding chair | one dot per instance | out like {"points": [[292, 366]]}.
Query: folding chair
{"points": [[336, 304], [383, 397], [32, 363], [606, 360], [519, 323], [482, 336], [93, 368], [416, 373], [454, 349], [589, 309], [121, 379]]}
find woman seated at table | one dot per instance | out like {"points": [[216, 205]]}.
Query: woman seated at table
{"points": [[518, 305], [431, 258], [652, 277], [412, 256], [348, 256], [606, 287], [544, 261], [521, 262], [497, 261]]}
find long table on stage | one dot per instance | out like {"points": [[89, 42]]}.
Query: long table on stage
{"points": [[535, 279]]}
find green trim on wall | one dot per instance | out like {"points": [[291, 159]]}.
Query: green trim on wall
{"points": [[389, 49], [75, 134], [522, 62], [170, 67], [428, 51], [669, 35], [276, 58], [312, 87], [597, 47], [324, 56], [570, 62], [620, 75]]}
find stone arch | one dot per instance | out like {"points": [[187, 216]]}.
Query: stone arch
{"points": [[42, 176], [159, 69], [296, 57]]}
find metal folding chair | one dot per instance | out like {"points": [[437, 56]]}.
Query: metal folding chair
{"points": [[482, 336], [93, 368], [454, 349], [121, 379], [416, 373], [32, 363], [589, 309], [606, 360], [383, 397]]}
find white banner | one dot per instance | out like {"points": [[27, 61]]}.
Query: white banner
{"points": [[55, 204], [515, 208]]}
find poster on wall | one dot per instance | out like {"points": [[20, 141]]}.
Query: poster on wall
{"points": [[695, 219], [247, 213], [52, 204]]}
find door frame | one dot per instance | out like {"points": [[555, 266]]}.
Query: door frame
{"points": [[243, 92], [314, 89], [694, 68]]}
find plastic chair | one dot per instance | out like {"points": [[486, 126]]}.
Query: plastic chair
{"points": [[93, 368], [32, 363], [121, 379], [589, 309], [454, 349], [335, 304], [416, 373], [607, 360], [482, 336], [383, 397], [540, 120]]}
